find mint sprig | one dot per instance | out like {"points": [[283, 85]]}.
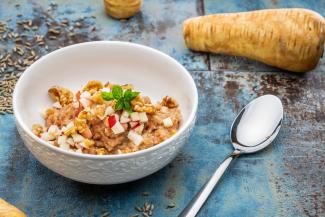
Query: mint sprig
{"points": [[123, 98]]}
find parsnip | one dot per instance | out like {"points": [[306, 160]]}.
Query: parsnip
{"points": [[8, 210], [291, 39]]}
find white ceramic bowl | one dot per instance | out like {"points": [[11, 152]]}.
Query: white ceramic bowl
{"points": [[152, 72]]}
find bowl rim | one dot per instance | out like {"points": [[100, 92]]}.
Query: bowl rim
{"points": [[183, 128]]}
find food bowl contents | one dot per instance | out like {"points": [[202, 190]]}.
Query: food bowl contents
{"points": [[107, 119], [122, 9]]}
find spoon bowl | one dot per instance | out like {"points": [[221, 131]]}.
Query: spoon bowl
{"points": [[257, 124], [254, 128]]}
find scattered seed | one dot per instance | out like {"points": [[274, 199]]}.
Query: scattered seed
{"points": [[105, 214], [138, 209], [54, 31], [78, 24], [26, 27], [19, 15], [171, 205], [145, 193]]}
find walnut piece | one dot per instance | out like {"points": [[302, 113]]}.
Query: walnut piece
{"points": [[169, 102], [60, 94], [37, 129], [93, 85]]}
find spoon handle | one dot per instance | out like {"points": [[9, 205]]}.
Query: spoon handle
{"points": [[196, 203]]}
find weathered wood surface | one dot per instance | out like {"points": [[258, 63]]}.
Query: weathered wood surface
{"points": [[287, 179]]}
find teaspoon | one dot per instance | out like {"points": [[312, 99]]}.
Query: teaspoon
{"points": [[254, 128]]}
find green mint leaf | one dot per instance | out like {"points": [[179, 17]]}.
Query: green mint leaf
{"points": [[129, 95], [127, 106], [119, 104], [108, 96], [117, 92], [134, 94]]}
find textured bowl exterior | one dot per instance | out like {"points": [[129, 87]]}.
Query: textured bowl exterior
{"points": [[105, 171]]}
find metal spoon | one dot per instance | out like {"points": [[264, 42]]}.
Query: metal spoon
{"points": [[255, 127]]}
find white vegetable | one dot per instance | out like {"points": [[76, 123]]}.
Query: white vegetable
{"points": [[125, 114], [54, 131], [70, 141], [62, 140], [105, 89], [45, 136], [134, 123], [85, 95], [78, 138], [135, 116], [124, 119], [164, 109], [65, 146], [109, 111], [84, 102], [139, 129], [135, 138], [117, 128], [57, 105], [168, 122], [143, 117]]}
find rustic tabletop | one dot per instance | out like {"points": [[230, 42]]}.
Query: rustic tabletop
{"points": [[287, 179]]}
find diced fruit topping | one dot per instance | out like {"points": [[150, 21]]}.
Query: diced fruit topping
{"points": [[125, 114], [117, 128], [105, 89], [57, 105], [53, 132], [134, 124], [138, 129], [85, 95], [124, 119], [135, 116], [112, 121], [84, 102], [143, 117], [168, 122], [45, 136], [135, 138], [77, 138], [62, 140], [109, 111]]}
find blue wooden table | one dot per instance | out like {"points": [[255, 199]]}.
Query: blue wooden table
{"points": [[287, 179]]}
